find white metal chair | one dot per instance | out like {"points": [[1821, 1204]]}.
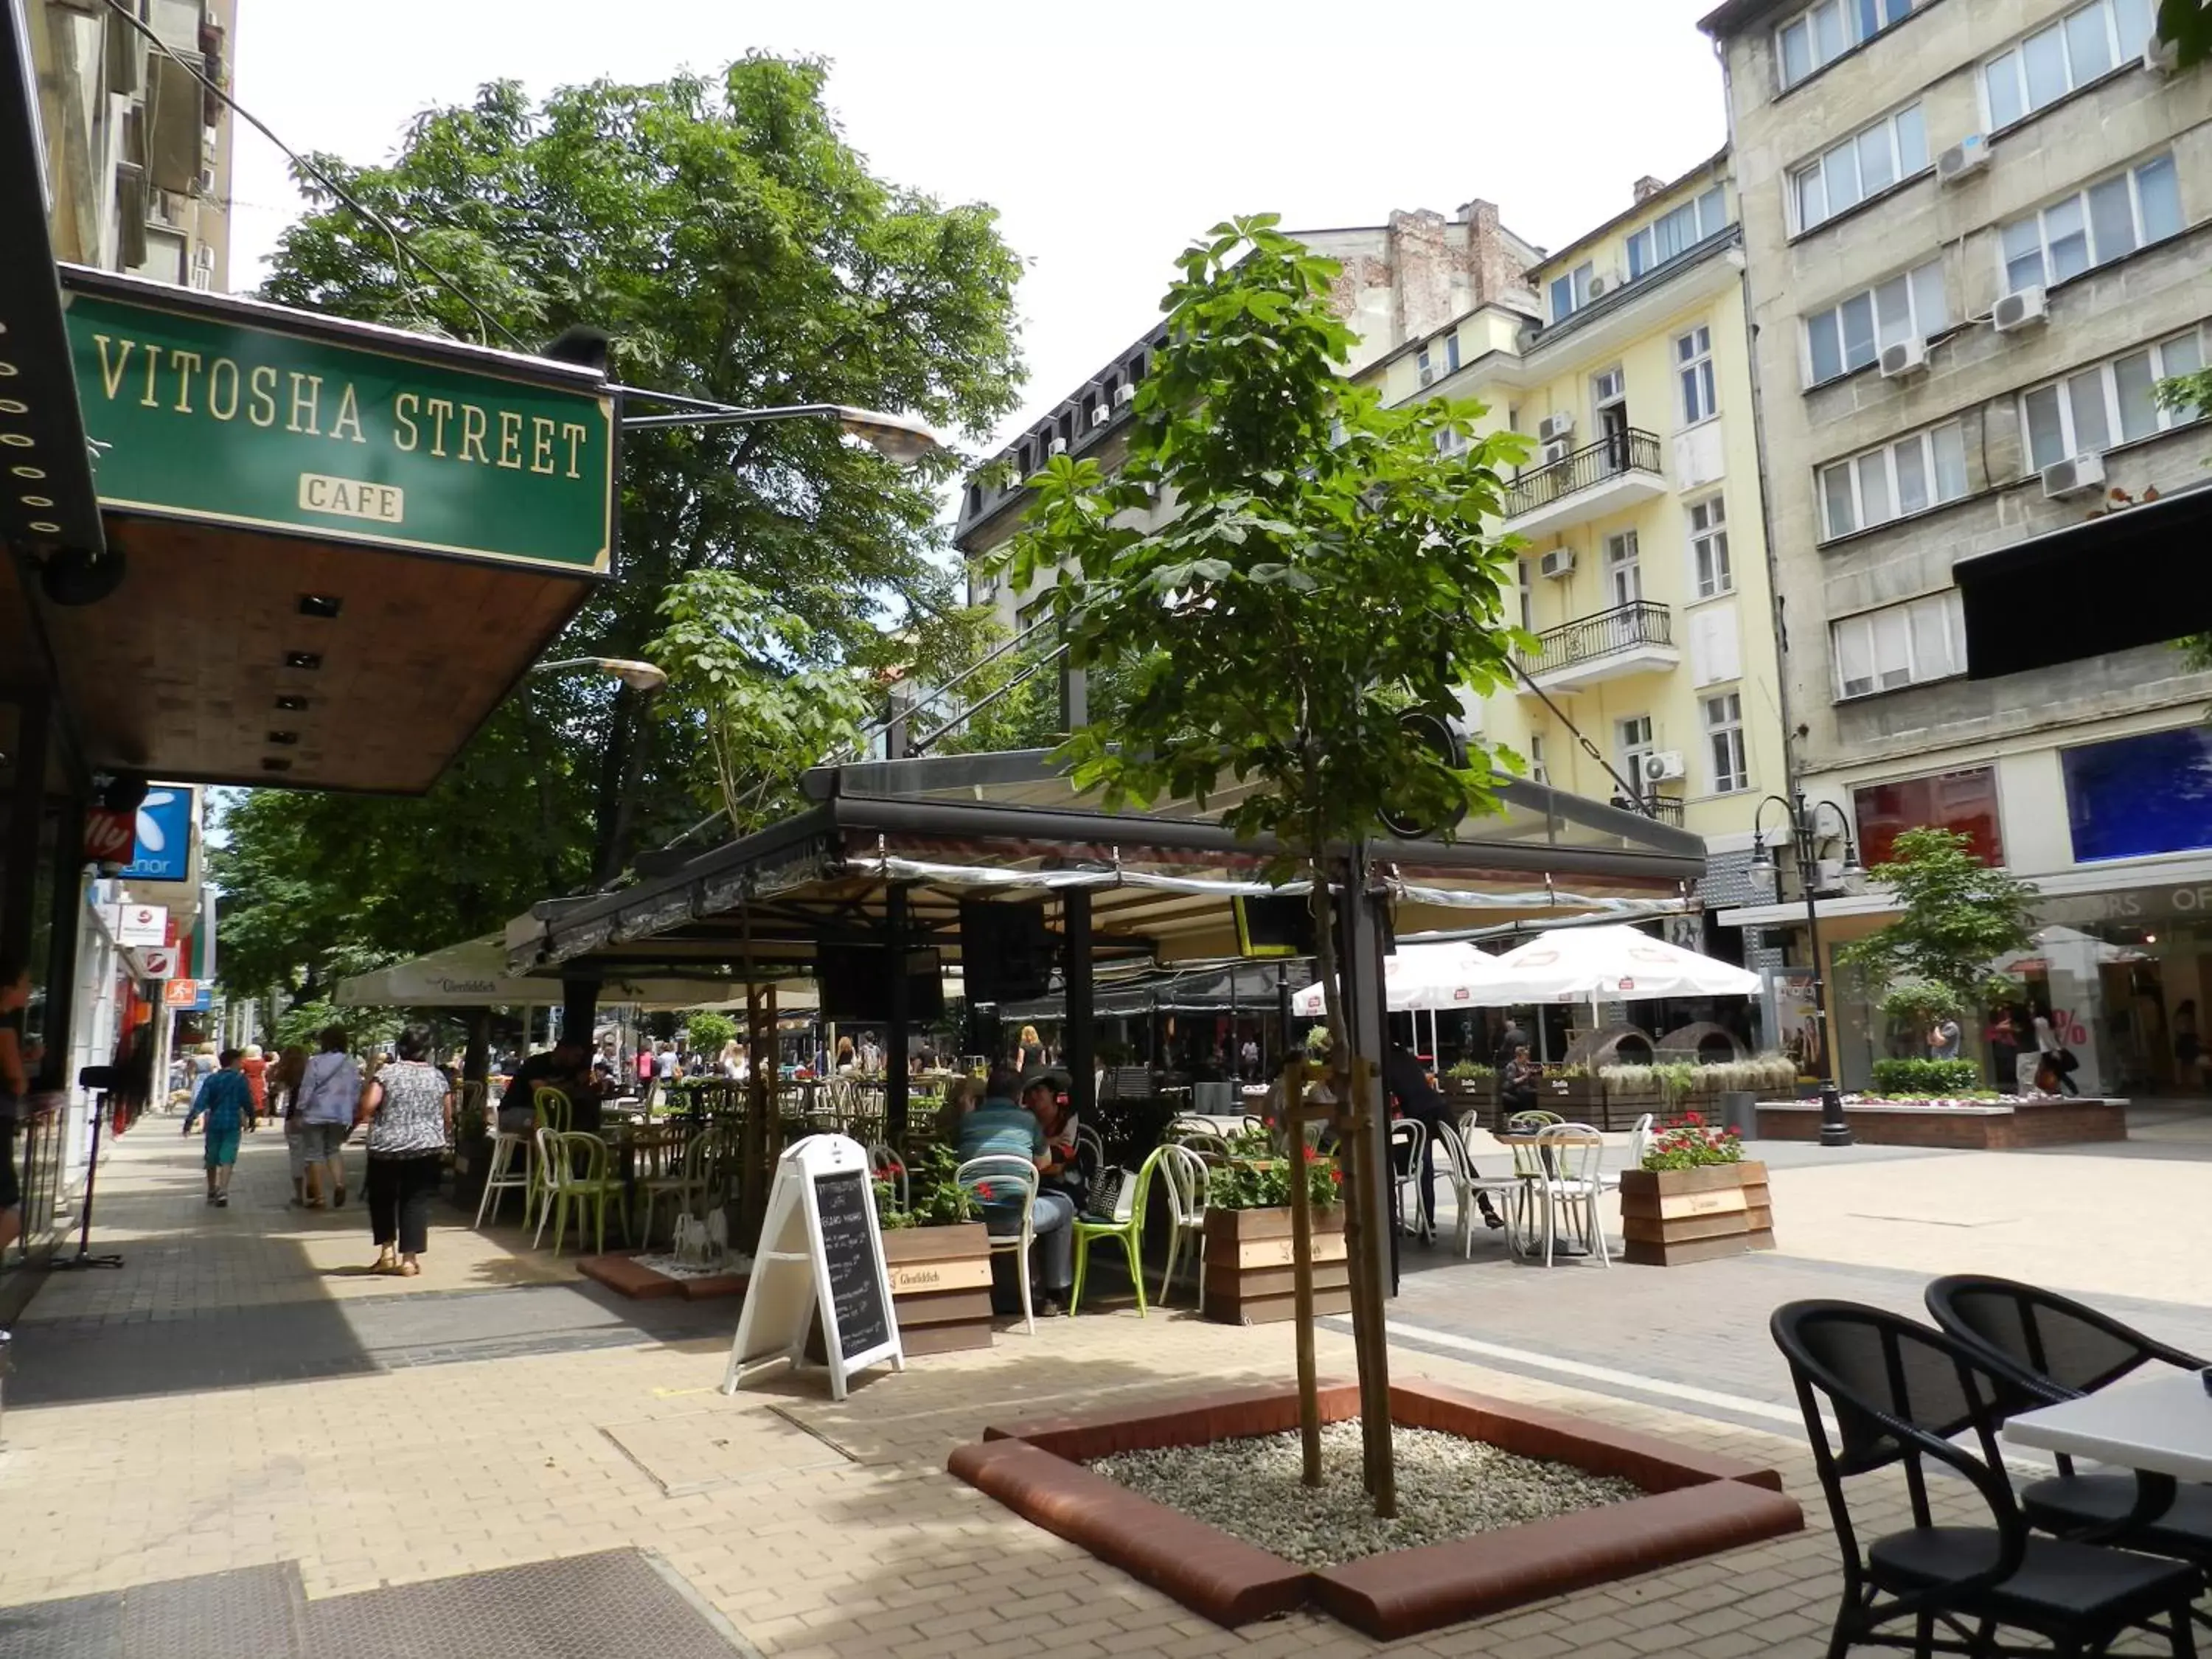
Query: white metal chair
{"points": [[1572, 1187], [510, 1149], [1201, 1136], [1639, 1142], [1458, 1168], [1185, 1173], [997, 1174], [1409, 1137]]}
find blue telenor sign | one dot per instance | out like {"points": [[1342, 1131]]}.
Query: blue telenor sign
{"points": [[164, 852]]}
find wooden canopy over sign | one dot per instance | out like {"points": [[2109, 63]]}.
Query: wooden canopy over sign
{"points": [[341, 544]]}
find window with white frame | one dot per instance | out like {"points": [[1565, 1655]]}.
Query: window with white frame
{"points": [[2088, 42], [1528, 599], [1820, 35], [1865, 164], [2112, 218], [2113, 402], [1710, 574], [1693, 371], [1851, 333], [1452, 440], [1676, 231], [1572, 292], [1901, 645], [1624, 570], [1633, 740], [1539, 772], [1437, 359], [1907, 476], [1731, 771]]}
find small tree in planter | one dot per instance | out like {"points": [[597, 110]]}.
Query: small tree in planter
{"points": [[1957, 917], [1326, 575], [938, 1255]]}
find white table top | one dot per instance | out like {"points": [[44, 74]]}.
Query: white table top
{"points": [[2162, 1423]]}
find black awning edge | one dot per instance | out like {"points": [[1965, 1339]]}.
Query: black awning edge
{"points": [[2141, 576]]}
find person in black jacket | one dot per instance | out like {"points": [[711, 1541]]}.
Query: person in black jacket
{"points": [[1407, 1088]]}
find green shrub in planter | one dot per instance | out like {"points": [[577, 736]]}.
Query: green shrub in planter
{"points": [[1925, 1077]]}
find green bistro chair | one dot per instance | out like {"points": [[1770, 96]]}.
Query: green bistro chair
{"points": [[576, 1170], [1131, 1233]]}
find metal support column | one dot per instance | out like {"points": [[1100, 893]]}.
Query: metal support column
{"points": [[895, 1068], [1082, 1007], [580, 1009]]}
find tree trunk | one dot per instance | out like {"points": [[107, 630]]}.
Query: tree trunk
{"points": [[1346, 1083]]}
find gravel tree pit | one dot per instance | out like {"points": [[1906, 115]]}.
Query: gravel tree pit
{"points": [[1448, 1487]]}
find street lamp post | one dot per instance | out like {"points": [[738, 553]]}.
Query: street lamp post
{"points": [[1803, 819]]}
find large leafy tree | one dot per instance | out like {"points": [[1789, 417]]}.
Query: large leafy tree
{"points": [[1327, 575], [1956, 915], [721, 231]]}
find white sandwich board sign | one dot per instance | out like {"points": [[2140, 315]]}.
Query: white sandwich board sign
{"points": [[820, 1255]]}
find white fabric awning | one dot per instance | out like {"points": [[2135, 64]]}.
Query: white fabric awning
{"points": [[1611, 965], [473, 974]]}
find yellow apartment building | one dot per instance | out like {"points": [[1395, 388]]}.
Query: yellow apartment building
{"points": [[1643, 577]]}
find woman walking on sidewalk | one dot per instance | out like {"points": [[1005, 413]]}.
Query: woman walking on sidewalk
{"points": [[409, 1109]]}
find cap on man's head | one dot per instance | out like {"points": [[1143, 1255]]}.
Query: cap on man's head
{"points": [[1052, 1075]]}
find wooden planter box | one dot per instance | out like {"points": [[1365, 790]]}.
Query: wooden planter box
{"points": [[1248, 1276], [940, 1286], [1463, 1093], [1668, 1217], [1571, 1096]]}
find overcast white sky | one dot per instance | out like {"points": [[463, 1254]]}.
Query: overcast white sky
{"points": [[1107, 136]]}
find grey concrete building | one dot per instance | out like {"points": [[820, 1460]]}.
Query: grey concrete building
{"points": [[138, 151], [1977, 234]]}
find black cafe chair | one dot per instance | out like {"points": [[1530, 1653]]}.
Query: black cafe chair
{"points": [[2052, 1348], [1900, 1393]]}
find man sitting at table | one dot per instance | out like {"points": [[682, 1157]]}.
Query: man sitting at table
{"points": [[1002, 1126], [562, 1067]]}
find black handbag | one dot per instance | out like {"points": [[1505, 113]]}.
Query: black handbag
{"points": [[2064, 1061]]}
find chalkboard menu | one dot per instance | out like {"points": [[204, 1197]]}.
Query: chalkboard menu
{"points": [[852, 1251], [819, 1264]]}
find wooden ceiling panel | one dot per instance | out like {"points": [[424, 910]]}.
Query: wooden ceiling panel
{"points": [[180, 671]]}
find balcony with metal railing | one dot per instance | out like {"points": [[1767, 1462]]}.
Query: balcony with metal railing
{"points": [[1619, 469], [1636, 638]]}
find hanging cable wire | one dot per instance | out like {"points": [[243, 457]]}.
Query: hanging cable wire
{"points": [[403, 251], [1633, 792]]}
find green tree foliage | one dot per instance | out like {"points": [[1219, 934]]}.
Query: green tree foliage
{"points": [[1327, 572], [767, 692], [735, 247], [1957, 917], [705, 1031]]}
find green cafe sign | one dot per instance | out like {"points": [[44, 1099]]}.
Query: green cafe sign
{"points": [[195, 415]]}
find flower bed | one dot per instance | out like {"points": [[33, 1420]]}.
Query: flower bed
{"points": [[1962, 1123]]}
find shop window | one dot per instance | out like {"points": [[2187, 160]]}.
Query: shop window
{"points": [[2134, 797], [1963, 801]]}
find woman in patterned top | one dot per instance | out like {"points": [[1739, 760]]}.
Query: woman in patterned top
{"points": [[408, 1108]]}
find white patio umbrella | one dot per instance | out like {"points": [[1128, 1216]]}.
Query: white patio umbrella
{"points": [[1609, 965], [1452, 975]]}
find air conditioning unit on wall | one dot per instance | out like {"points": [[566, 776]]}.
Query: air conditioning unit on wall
{"points": [[2075, 477], [1963, 159], [1664, 767], [1554, 427], [1557, 564], [1124, 395], [1904, 357], [2023, 308]]}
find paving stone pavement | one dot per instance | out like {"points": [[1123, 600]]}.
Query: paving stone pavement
{"points": [[564, 1433]]}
